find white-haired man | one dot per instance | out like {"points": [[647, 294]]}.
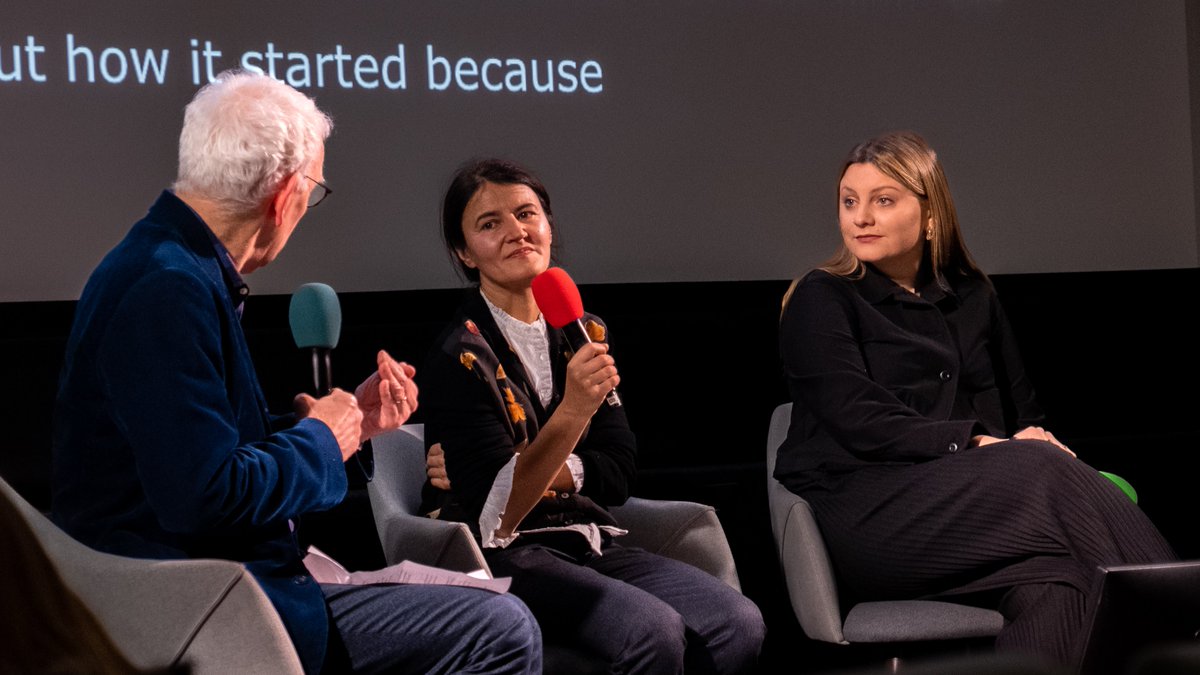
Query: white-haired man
{"points": [[163, 446]]}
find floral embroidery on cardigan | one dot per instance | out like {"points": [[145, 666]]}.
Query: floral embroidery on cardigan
{"points": [[515, 412], [468, 360], [595, 331]]}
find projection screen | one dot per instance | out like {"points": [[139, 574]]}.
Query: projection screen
{"points": [[680, 141]]}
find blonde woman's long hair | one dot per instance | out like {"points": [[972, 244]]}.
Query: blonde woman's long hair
{"points": [[906, 158]]}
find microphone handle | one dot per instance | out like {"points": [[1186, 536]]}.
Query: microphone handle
{"points": [[613, 400], [577, 337], [322, 370]]}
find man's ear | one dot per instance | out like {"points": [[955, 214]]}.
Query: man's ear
{"points": [[278, 203]]}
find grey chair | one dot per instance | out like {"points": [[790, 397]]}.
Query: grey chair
{"points": [[208, 614], [812, 589], [681, 530]]}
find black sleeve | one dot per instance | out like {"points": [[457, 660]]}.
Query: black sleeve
{"points": [[608, 451], [608, 448], [462, 413]]}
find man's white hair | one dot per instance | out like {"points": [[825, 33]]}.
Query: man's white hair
{"points": [[243, 135]]}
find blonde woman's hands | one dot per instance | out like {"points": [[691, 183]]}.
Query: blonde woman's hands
{"points": [[1040, 434], [1026, 434]]}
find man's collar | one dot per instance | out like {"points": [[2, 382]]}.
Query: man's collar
{"points": [[200, 237], [239, 290]]}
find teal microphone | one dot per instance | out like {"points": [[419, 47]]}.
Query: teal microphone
{"points": [[316, 319]]}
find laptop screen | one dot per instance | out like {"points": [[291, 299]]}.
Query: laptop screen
{"points": [[1141, 607]]}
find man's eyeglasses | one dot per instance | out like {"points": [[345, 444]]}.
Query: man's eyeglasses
{"points": [[318, 193]]}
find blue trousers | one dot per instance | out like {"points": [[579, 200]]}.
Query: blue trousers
{"points": [[640, 612], [404, 628]]}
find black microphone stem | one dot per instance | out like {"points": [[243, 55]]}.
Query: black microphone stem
{"points": [[322, 369]]}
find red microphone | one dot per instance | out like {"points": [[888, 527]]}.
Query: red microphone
{"points": [[558, 299]]}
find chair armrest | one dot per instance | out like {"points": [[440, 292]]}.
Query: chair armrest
{"points": [[210, 614], [428, 541], [242, 634], [685, 531]]}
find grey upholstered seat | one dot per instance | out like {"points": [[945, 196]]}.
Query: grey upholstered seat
{"points": [[812, 589], [209, 614]]}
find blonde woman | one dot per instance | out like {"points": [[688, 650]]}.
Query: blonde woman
{"points": [[915, 434]]}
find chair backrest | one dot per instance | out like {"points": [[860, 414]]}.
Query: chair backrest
{"points": [[803, 557], [210, 614], [395, 493], [400, 466]]}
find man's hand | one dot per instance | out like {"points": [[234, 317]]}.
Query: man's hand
{"points": [[339, 411], [435, 467], [388, 397]]}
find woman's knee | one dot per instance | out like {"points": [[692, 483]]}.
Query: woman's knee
{"points": [[737, 642], [653, 640], [1039, 453], [1027, 467]]}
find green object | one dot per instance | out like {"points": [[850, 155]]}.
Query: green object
{"points": [[1121, 483]]}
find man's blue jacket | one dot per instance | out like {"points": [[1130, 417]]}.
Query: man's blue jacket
{"points": [[163, 446]]}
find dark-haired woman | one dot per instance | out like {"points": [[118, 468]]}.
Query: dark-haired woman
{"points": [[534, 456], [915, 434]]}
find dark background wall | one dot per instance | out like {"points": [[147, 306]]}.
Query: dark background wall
{"points": [[1112, 354]]}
